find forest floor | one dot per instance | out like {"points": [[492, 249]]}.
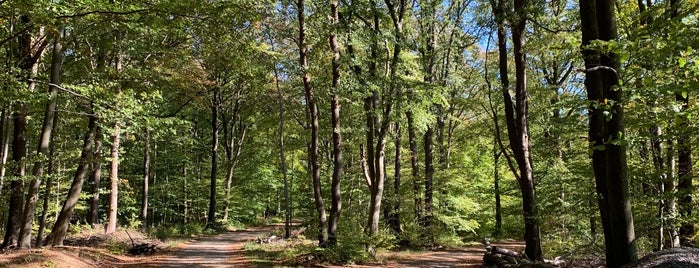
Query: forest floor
{"points": [[228, 250]]}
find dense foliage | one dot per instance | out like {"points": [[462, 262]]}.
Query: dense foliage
{"points": [[180, 103]]}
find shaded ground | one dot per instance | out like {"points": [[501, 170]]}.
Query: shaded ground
{"points": [[227, 250], [224, 250]]}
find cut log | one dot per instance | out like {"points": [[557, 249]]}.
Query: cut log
{"points": [[504, 251]]}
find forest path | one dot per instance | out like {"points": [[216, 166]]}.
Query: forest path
{"points": [[223, 250]]}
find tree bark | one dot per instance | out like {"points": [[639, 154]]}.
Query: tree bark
{"points": [[215, 102], [282, 157], [96, 177], [496, 189], [59, 229], [25, 238], [684, 156], [414, 168], [335, 193], [5, 139], [49, 183], [516, 114], [606, 135], [146, 175], [313, 111], [28, 63], [394, 216], [114, 180]]}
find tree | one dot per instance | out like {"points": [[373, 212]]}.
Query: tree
{"points": [[516, 114], [335, 193], [606, 135], [312, 109], [30, 49], [55, 238]]}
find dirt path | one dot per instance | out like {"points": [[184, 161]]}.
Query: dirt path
{"points": [[224, 250], [227, 250]]}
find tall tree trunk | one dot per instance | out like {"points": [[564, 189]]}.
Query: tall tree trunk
{"points": [[335, 193], [25, 238], [429, 175], [430, 70], [516, 115], [215, 101], [414, 168], [185, 202], [394, 216], [44, 145], [606, 135], [397, 11], [146, 175], [496, 189], [114, 180], [59, 229], [684, 156], [96, 177], [5, 143], [282, 157], [313, 111], [235, 138], [532, 237], [49, 183], [28, 59], [19, 151], [670, 202]]}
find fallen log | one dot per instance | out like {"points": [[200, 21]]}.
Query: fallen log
{"points": [[504, 251]]}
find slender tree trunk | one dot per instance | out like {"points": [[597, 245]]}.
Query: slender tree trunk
{"points": [[429, 175], [335, 193], [114, 180], [49, 183], [237, 140], [394, 216], [5, 146], [17, 186], [430, 69], [670, 202], [684, 156], [211, 218], [25, 239], [185, 202], [660, 171], [313, 111], [517, 120], [282, 158], [606, 136], [397, 11], [58, 232], [532, 237], [496, 189], [146, 175], [96, 177], [27, 62], [414, 171]]}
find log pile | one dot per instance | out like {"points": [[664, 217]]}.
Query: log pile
{"points": [[143, 249], [505, 258]]}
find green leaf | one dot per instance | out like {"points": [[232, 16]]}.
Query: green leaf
{"points": [[682, 62]]}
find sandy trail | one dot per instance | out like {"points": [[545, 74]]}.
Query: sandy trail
{"points": [[224, 250]]}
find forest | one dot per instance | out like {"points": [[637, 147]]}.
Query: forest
{"points": [[373, 124]]}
